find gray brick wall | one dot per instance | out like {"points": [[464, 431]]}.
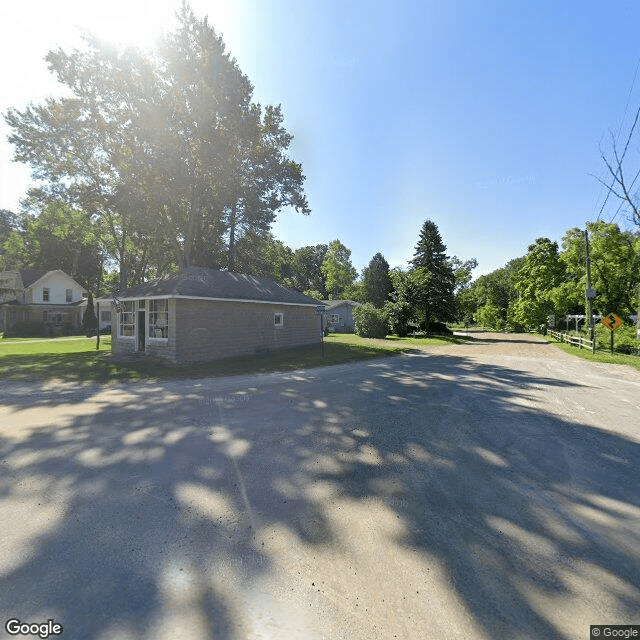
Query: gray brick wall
{"points": [[210, 330]]}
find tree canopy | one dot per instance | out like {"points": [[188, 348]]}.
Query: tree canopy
{"points": [[376, 282], [164, 149]]}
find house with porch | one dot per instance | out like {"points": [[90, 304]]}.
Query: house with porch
{"points": [[51, 298]]}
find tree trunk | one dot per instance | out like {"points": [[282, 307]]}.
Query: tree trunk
{"points": [[232, 237]]}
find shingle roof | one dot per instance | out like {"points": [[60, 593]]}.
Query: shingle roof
{"points": [[210, 283], [29, 276], [331, 304]]}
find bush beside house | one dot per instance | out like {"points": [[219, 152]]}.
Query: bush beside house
{"points": [[371, 322]]}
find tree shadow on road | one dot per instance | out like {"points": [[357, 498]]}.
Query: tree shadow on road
{"points": [[147, 510]]}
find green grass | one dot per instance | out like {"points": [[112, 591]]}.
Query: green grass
{"points": [[79, 361], [598, 356]]}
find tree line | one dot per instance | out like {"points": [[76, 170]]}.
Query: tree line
{"points": [[60, 237], [550, 280]]}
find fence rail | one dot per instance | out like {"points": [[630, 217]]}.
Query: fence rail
{"points": [[575, 340]]}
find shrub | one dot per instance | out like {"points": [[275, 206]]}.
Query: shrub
{"points": [[624, 339], [370, 322], [27, 330], [399, 314]]}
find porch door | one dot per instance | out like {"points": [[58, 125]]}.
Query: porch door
{"points": [[142, 330]]}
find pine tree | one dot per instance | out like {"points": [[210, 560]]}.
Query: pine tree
{"points": [[436, 297], [376, 283]]}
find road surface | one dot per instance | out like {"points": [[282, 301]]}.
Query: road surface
{"points": [[484, 491]]}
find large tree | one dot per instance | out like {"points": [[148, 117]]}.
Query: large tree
{"points": [[308, 269], [338, 271], [437, 298], [541, 272], [165, 149], [376, 282]]}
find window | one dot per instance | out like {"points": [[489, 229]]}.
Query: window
{"points": [[126, 324], [45, 294], [158, 319], [105, 316], [278, 319], [44, 316], [335, 318], [69, 295]]}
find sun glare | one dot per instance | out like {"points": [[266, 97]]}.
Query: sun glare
{"points": [[138, 22]]}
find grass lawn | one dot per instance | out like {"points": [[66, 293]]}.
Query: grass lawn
{"points": [[599, 356], [78, 360]]}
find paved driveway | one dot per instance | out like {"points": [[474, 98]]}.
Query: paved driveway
{"points": [[487, 491]]}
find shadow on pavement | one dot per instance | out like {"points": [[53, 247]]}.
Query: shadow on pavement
{"points": [[143, 512]]}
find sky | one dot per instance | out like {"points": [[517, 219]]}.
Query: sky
{"points": [[488, 118]]}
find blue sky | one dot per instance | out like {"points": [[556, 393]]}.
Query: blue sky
{"points": [[486, 117]]}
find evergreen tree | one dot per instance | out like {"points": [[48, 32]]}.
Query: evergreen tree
{"points": [[376, 282], [436, 298], [90, 321]]}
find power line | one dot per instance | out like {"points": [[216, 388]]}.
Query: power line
{"points": [[618, 136]]}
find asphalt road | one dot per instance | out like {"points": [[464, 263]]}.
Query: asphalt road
{"points": [[482, 491]]}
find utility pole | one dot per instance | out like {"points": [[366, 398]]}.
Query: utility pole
{"points": [[590, 294]]}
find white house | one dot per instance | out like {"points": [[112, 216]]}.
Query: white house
{"points": [[52, 298]]}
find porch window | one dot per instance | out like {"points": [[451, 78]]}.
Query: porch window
{"points": [[158, 319], [126, 324]]}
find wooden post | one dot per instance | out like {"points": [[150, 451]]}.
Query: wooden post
{"points": [[97, 326]]}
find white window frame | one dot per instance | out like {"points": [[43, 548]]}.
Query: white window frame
{"points": [[158, 320], [335, 318], [46, 294], [278, 320], [127, 319]]}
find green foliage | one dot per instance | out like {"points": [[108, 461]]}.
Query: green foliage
{"points": [[399, 314], [376, 283], [542, 271], [371, 322], [354, 291], [490, 317], [624, 339], [434, 276], [63, 238], [337, 269], [27, 329], [165, 150], [307, 271]]}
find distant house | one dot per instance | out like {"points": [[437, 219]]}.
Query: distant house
{"points": [[339, 315], [49, 297], [204, 314]]}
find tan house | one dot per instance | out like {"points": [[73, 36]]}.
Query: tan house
{"points": [[52, 298], [204, 314]]}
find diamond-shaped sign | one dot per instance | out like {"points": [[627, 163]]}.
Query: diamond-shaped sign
{"points": [[612, 321]]}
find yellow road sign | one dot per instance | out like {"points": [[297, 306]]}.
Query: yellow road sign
{"points": [[611, 321]]}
